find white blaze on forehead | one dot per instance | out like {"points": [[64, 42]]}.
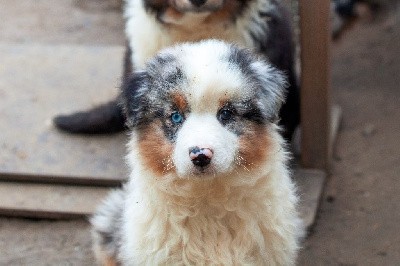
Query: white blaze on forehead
{"points": [[210, 75]]}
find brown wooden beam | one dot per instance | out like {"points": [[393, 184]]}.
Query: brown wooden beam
{"points": [[315, 83]]}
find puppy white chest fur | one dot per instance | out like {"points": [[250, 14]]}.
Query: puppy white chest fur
{"points": [[212, 222]]}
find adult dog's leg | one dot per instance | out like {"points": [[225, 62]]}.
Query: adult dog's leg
{"points": [[103, 119]]}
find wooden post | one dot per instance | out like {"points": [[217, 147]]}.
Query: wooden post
{"points": [[315, 39]]}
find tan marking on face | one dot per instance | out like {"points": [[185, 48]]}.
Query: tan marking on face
{"points": [[254, 147], [180, 101], [223, 101], [171, 14], [229, 9], [217, 24], [110, 261], [156, 150]]}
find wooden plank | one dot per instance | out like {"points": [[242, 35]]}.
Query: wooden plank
{"points": [[311, 185], [315, 83], [40, 81], [49, 201]]}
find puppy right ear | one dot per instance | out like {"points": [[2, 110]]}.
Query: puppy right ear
{"points": [[133, 97]]}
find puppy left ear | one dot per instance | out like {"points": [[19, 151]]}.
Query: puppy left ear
{"points": [[272, 83], [133, 100]]}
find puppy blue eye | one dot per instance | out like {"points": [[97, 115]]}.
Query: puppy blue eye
{"points": [[176, 118], [225, 114]]}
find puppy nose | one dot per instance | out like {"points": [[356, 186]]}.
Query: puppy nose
{"points": [[198, 3], [200, 156]]}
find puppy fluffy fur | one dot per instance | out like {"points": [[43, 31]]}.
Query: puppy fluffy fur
{"points": [[239, 208]]}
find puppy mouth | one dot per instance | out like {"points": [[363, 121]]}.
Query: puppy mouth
{"points": [[193, 8]]}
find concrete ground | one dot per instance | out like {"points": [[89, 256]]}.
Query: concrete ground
{"points": [[358, 222]]}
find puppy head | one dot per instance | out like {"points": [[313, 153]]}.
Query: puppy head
{"points": [[203, 110]]}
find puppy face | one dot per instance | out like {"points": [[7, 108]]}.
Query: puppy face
{"points": [[203, 110]]}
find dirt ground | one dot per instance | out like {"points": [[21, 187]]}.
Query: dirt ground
{"points": [[358, 222], [359, 217]]}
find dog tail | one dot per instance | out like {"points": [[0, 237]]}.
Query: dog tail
{"points": [[103, 119], [106, 223]]}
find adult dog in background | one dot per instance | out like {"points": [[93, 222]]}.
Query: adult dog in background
{"points": [[260, 25], [209, 181]]}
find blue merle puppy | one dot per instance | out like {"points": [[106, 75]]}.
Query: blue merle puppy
{"points": [[209, 182]]}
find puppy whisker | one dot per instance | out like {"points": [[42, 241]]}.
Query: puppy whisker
{"points": [[168, 164], [241, 162]]}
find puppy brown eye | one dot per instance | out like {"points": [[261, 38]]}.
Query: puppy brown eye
{"points": [[225, 115]]}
